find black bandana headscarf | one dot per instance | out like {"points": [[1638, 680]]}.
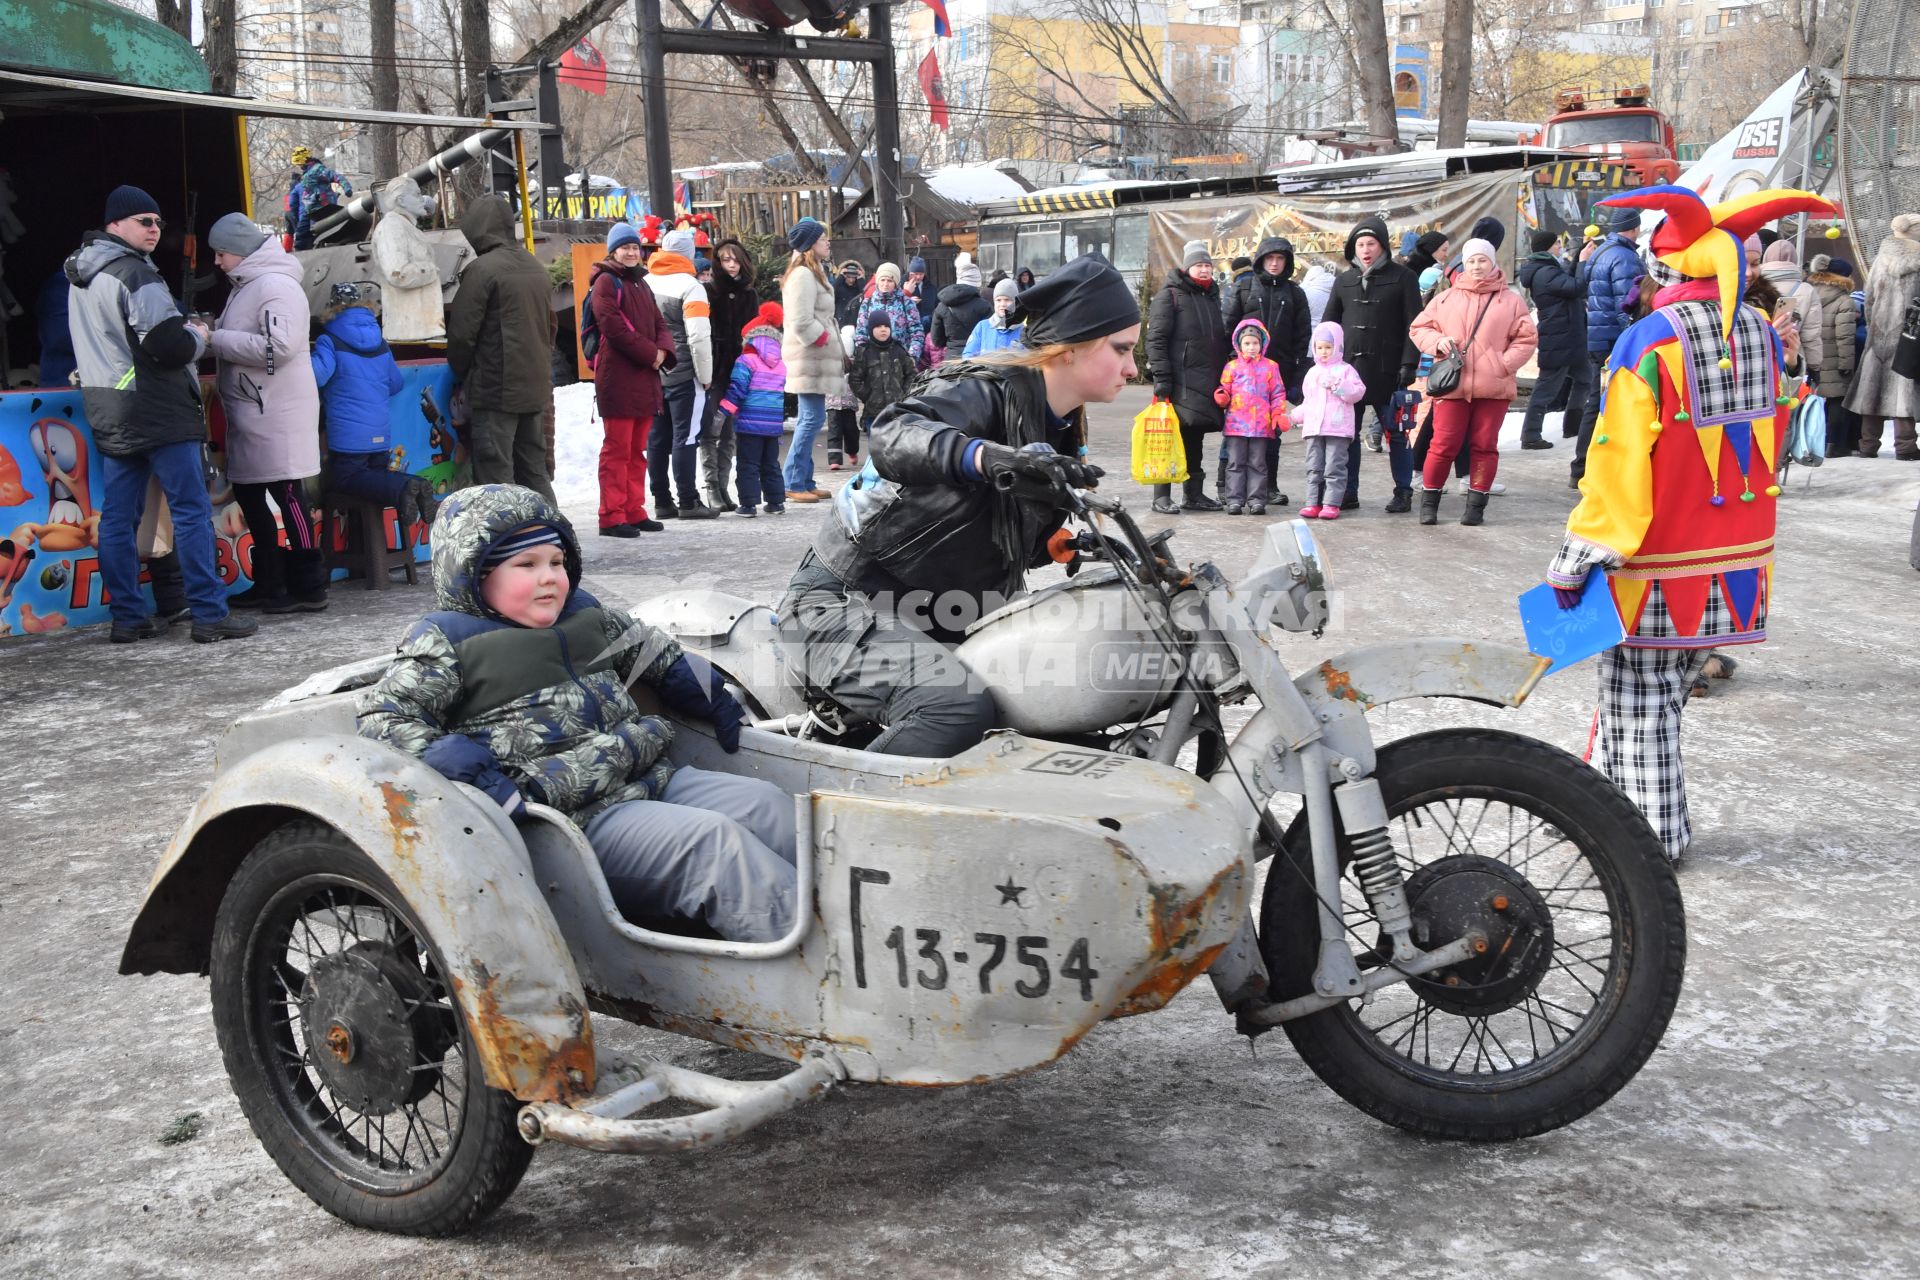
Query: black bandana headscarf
{"points": [[1085, 299]]}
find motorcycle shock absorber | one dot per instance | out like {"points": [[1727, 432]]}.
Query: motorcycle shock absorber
{"points": [[1363, 812], [1378, 871]]}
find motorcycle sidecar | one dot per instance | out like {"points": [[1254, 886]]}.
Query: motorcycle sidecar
{"points": [[402, 977]]}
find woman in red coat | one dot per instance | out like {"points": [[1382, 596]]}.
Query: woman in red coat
{"points": [[634, 347]]}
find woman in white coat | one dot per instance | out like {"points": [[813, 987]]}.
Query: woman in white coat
{"points": [[265, 377], [810, 348]]}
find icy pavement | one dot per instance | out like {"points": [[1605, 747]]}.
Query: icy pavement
{"points": [[1776, 1132]]}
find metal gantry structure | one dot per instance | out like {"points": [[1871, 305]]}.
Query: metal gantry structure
{"points": [[657, 40]]}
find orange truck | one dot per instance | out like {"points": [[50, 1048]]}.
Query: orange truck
{"points": [[1616, 126]]}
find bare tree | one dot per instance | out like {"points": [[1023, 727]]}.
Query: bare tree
{"points": [[1456, 73], [218, 47], [175, 16], [476, 55], [1521, 59], [1373, 68], [1139, 99], [384, 76]]}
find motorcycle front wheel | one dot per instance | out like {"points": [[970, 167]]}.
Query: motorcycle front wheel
{"points": [[1537, 852]]}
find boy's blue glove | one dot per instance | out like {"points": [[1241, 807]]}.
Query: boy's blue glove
{"points": [[462, 759], [698, 691]]}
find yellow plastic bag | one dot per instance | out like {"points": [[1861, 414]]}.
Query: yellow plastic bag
{"points": [[1159, 455]]}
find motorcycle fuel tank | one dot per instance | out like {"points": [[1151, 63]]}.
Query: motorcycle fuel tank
{"points": [[1080, 656]]}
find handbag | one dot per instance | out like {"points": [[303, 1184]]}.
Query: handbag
{"points": [[1444, 378], [1159, 454]]}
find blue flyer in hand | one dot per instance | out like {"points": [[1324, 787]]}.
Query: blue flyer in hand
{"points": [[1571, 635]]}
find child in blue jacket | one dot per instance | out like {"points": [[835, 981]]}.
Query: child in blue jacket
{"points": [[358, 377]]}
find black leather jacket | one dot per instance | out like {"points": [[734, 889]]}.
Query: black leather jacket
{"points": [[925, 524]]}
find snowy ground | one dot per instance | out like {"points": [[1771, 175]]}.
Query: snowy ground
{"points": [[1775, 1133]]}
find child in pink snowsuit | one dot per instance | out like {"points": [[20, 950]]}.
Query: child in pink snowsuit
{"points": [[1255, 397], [1326, 419]]}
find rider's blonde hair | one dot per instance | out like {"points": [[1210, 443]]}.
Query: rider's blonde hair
{"points": [[1039, 357]]}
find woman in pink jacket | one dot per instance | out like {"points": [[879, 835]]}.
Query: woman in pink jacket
{"points": [[1488, 321]]}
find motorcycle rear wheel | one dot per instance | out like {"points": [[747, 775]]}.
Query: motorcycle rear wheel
{"points": [[1566, 1011], [342, 1041]]}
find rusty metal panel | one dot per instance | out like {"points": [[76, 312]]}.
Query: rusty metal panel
{"points": [[1431, 668], [1118, 879], [446, 848]]}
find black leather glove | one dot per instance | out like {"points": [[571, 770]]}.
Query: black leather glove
{"points": [[996, 460]]}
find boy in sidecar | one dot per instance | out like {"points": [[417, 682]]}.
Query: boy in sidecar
{"points": [[519, 684]]}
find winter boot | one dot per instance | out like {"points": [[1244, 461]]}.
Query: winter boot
{"points": [[1402, 502], [1429, 506], [1906, 446], [306, 584], [169, 589], [1476, 507]]}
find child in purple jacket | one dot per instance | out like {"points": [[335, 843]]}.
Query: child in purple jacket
{"points": [[756, 397], [1255, 397]]}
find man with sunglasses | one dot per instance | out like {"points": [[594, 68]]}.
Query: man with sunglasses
{"points": [[137, 354]]}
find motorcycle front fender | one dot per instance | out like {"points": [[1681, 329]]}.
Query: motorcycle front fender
{"points": [[449, 851], [1341, 690]]}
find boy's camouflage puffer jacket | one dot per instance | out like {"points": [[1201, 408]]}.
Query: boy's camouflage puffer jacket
{"points": [[551, 703]]}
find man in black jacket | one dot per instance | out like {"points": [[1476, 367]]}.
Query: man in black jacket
{"points": [[1566, 377], [1269, 295], [1187, 348], [1375, 302]]}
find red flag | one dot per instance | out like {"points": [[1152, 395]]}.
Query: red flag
{"points": [[583, 67], [935, 91]]}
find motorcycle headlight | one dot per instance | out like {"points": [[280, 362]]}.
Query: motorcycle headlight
{"points": [[1290, 585]]}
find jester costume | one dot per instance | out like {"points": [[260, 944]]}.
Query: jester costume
{"points": [[1677, 504]]}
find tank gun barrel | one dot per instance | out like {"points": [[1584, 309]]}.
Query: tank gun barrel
{"points": [[360, 208]]}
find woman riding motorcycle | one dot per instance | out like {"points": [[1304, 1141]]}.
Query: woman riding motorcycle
{"points": [[953, 508]]}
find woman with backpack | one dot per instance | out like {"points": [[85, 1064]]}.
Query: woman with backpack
{"points": [[627, 344]]}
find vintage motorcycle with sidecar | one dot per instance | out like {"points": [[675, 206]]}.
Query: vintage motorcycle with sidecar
{"points": [[1466, 933]]}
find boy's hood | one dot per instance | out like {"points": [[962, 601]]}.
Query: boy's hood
{"points": [[471, 521], [1275, 244], [488, 225], [955, 294], [764, 338], [1253, 324], [1328, 331], [357, 330]]}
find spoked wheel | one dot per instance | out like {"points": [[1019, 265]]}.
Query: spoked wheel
{"points": [[348, 1056], [1524, 845]]}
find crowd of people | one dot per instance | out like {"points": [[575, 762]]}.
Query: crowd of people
{"points": [[1440, 306]]}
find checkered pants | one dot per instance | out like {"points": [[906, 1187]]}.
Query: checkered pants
{"points": [[1642, 692]]}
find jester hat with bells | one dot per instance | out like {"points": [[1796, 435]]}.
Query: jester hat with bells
{"points": [[1706, 242]]}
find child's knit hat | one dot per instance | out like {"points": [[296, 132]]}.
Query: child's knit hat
{"points": [[509, 545]]}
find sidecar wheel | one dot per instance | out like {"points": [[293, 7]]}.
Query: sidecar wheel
{"points": [[349, 1058], [1520, 841]]}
